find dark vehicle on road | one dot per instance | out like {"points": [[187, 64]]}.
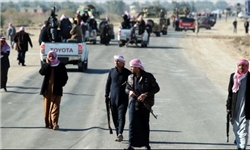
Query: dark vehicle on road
{"points": [[206, 22], [186, 24]]}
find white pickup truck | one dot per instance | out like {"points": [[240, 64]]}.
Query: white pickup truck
{"points": [[68, 53], [124, 36]]}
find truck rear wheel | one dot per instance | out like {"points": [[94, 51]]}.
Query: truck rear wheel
{"points": [[158, 34], [82, 66], [164, 32]]}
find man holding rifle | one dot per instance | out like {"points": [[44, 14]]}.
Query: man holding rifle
{"points": [[141, 87], [238, 103], [115, 92]]}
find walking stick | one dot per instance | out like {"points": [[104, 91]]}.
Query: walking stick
{"points": [[107, 101], [228, 118], [151, 111]]}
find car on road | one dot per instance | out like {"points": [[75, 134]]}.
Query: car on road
{"points": [[206, 22], [186, 23]]}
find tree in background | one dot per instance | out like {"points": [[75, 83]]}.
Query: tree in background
{"points": [[221, 5], [116, 6]]}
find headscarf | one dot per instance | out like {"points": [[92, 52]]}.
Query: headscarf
{"points": [[5, 47], [136, 63], [21, 28], [82, 23], [126, 12], [119, 57], [55, 62], [238, 76], [63, 16]]}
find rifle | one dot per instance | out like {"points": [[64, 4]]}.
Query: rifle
{"points": [[107, 101], [228, 119], [144, 103]]}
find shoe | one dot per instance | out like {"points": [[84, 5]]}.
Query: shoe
{"points": [[5, 89], [119, 138], [47, 126], [148, 147], [129, 148], [23, 65], [19, 63], [56, 127]]}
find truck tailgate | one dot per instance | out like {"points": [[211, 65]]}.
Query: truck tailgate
{"points": [[125, 33], [63, 49]]}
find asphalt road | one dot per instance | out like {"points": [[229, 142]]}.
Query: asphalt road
{"points": [[190, 107]]}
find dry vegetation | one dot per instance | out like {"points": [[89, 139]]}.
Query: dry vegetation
{"points": [[242, 45]]}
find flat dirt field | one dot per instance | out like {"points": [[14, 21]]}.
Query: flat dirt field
{"points": [[215, 51]]}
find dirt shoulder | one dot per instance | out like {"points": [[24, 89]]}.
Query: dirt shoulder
{"points": [[216, 51]]}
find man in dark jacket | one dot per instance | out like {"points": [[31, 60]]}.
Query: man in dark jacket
{"points": [[126, 20], [85, 16], [55, 78], [44, 33], [115, 91], [105, 37], [22, 39], [235, 26], [246, 25], [141, 87], [238, 102], [65, 27], [149, 30], [141, 25], [5, 63], [53, 25]]}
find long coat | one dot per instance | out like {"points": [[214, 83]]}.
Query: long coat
{"points": [[232, 97], [5, 62], [60, 79], [22, 39]]}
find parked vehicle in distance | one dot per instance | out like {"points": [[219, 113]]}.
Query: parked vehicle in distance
{"points": [[186, 24], [206, 22], [241, 15]]}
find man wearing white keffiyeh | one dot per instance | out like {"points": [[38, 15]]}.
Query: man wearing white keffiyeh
{"points": [[238, 102]]}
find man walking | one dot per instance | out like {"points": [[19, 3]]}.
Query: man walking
{"points": [[235, 26], [55, 78], [11, 32], [246, 25], [141, 87], [115, 91], [22, 39], [238, 103]]}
